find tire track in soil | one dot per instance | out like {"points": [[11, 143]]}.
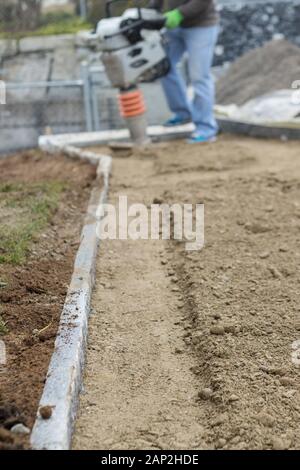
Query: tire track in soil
{"points": [[139, 390]]}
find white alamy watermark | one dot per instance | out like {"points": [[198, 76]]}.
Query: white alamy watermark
{"points": [[182, 222], [296, 94], [2, 353], [296, 353], [2, 92]]}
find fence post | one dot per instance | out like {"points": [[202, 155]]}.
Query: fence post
{"points": [[87, 96], [95, 105], [2, 92], [83, 8]]}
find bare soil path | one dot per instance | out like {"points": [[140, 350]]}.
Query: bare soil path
{"points": [[139, 389], [194, 350]]}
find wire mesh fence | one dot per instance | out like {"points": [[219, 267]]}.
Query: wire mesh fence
{"points": [[40, 61], [47, 87], [33, 108], [40, 65]]}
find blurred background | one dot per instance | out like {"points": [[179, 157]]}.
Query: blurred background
{"points": [[51, 16], [244, 23], [55, 84]]}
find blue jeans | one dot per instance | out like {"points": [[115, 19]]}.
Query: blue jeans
{"points": [[199, 43]]}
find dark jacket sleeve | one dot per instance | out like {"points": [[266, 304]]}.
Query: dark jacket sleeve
{"points": [[156, 4], [193, 8]]}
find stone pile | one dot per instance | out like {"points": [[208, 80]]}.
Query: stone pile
{"points": [[245, 27]]}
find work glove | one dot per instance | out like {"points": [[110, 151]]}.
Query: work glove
{"points": [[173, 18]]}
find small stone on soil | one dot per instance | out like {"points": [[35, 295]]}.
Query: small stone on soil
{"points": [[230, 328], [257, 228], [217, 330], [178, 351], [275, 272], [222, 418], [45, 412], [216, 316], [233, 398], [157, 200], [266, 419], [205, 393], [235, 439], [264, 255], [6, 436], [20, 429], [286, 381], [221, 443], [280, 444], [281, 371]]}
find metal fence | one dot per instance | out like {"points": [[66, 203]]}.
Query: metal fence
{"points": [[48, 87], [33, 108], [62, 104], [49, 91]]}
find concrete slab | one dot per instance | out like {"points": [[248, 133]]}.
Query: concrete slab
{"points": [[8, 48], [46, 43]]}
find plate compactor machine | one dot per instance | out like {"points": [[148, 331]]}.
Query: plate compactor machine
{"points": [[132, 52]]}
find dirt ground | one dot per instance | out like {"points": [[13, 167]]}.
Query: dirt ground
{"points": [[32, 296], [194, 349]]}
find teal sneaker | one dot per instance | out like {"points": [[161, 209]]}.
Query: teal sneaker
{"points": [[200, 139], [177, 121]]}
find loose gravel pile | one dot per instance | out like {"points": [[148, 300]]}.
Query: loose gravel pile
{"points": [[272, 67]]}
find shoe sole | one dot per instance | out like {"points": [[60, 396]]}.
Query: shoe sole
{"points": [[208, 141], [178, 124]]}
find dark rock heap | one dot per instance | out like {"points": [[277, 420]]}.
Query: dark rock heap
{"points": [[245, 27]]}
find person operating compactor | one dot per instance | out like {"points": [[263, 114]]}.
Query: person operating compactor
{"points": [[192, 28]]}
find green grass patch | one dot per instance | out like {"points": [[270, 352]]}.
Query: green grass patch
{"points": [[27, 209], [70, 25], [10, 187], [50, 24]]}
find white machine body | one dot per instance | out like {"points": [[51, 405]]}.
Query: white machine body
{"points": [[129, 65], [132, 47]]}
